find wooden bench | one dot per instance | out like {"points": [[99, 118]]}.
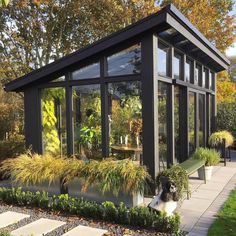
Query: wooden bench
{"points": [[191, 166]]}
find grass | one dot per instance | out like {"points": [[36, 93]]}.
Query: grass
{"points": [[225, 224]]}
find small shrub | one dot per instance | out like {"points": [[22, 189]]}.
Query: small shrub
{"points": [[210, 156], [177, 174], [110, 211], [5, 232], [135, 216], [216, 138]]}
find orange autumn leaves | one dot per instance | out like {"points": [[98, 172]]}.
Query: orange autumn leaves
{"points": [[212, 19]]}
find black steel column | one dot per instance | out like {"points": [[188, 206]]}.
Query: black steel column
{"points": [[104, 109], [150, 104], [69, 117]]}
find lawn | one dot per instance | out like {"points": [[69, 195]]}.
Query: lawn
{"points": [[225, 224]]}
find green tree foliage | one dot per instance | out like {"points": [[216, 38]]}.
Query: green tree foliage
{"points": [[226, 117]]}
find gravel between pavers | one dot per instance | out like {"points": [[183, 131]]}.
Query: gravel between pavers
{"points": [[72, 222]]}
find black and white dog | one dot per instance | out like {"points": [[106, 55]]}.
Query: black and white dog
{"points": [[167, 200]]}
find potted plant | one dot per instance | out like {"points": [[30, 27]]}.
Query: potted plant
{"points": [[211, 158], [216, 139], [176, 174]]}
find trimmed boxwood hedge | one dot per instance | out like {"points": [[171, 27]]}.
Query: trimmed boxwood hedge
{"points": [[135, 216]]}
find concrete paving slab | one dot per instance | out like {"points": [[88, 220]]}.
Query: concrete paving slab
{"points": [[38, 228], [11, 217], [85, 231], [193, 204], [198, 213]]}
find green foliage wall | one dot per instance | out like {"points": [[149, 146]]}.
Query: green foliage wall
{"points": [[226, 117], [51, 140]]}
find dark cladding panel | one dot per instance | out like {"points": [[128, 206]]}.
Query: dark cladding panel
{"points": [[32, 119]]}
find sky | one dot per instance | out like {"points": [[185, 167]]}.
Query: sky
{"points": [[232, 50]]}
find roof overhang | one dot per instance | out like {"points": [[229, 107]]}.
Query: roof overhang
{"points": [[168, 17]]}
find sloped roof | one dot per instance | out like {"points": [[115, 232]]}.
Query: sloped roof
{"points": [[197, 45]]}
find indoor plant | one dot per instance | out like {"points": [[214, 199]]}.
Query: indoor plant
{"points": [[211, 158]]}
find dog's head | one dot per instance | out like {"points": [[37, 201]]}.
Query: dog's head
{"points": [[169, 191], [170, 186]]}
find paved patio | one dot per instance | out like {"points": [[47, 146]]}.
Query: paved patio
{"points": [[198, 213]]}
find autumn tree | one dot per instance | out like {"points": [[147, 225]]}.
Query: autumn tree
{"points": [[35, 33], [211, 17]]}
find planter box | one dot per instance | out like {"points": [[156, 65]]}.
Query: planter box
{"points": [[92, 194], [208, 173]]}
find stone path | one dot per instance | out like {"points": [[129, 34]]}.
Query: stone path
{"points": [[85, 231], [43, 226], [9, 217], [198, 213]]}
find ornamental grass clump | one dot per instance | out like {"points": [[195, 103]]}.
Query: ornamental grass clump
{"points": [[31, 168], [109, 175], [210, 156], [216, 138]]}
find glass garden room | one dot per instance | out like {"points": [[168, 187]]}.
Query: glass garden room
{"points": [[146, 92]]}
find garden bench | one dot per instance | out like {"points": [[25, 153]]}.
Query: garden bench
{"points": [[191, 166]]}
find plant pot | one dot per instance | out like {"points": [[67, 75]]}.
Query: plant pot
{"points": [[208, 172]]}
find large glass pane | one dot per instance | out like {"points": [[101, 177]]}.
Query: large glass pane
{"points": [[197, 75], [87, 121], [188, 70], [163, 59], [177, 61], [54, 121], [210, 80], [125, 120], [201, 118], [191, 128], [125, 62], [204, 78], [87, 72], [177, 124], [162, 123]]}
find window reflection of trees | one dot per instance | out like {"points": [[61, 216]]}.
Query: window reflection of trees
{"points": [[87, 121]]}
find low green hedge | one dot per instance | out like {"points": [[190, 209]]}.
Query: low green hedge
{"points": [[135, 216]]}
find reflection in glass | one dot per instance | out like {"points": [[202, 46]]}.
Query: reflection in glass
{"points": [[177, 60], [197, 75], [163, 55], [201, 119], [191, 129], [204, 78], [177, 124], [210, 80], [59, 79], [125, 119], [188, 67], [54, 121], [87, 121], [125, 62], [162, 123], [87, 72]]}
